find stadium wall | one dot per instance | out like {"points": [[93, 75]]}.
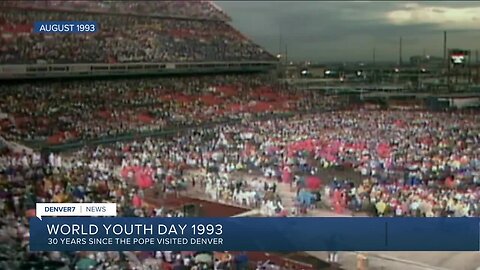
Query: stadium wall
{"points": [[44, 71]]}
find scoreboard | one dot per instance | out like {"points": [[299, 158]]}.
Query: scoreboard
{"points": [[459, 57]]}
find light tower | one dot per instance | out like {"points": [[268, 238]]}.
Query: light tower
{"points": [[400, 59]]}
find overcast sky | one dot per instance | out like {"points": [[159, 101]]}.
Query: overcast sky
{"points": [[331, 31]]}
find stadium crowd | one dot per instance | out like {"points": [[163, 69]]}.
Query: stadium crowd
{"points": [[180, 9], [412, 163], [416, 163], [146, 39], [83, 177], [101, 174], [66, 111], [415, 158]]}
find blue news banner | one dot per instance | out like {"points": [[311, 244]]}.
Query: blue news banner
{"points": [[254, 234], [66, 27]]}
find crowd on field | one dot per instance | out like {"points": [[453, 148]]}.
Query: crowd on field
{"points": [[103, 174], [412, 164]]}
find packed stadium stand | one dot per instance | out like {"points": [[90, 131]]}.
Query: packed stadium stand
{"points": [[166, 34], [62, 111], [205, 10]]}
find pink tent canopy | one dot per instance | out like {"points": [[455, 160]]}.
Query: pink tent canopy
{"points": [[143, 176], [142, 179], [313, 182]]}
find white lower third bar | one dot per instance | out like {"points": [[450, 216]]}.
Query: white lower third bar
{"points": [[75, 209]]}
